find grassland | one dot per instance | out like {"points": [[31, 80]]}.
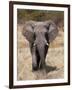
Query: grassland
{"points": [[54, 60]]}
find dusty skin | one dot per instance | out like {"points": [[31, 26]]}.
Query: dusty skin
{"points": [[54, 60]]}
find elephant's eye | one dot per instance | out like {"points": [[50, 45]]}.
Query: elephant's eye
{"points": [[47, 27], [32, 27]]}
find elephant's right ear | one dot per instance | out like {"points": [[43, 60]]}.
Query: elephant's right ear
{"points": [[28, 31], [52, 30]]}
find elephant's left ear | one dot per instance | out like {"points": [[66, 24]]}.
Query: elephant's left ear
{"points": [[52, 30], [28, 31]]}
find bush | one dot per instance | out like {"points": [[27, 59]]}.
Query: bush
{"points": [[40, 15]]}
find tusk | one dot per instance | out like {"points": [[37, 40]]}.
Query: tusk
{"points": [[47, 44], [34, 44]]}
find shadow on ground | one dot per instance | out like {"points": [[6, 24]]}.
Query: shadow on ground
{"points": [[50, 68]]}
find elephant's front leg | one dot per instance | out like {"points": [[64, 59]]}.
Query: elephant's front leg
{"points": [[34, 59]]}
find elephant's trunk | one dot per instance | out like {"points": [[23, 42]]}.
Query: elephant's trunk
{"points": [[41, 49]]}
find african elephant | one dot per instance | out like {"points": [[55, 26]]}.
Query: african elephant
{"points": [[39, 35]]}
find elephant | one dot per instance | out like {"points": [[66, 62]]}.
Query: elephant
{"points": [[39, 35]]}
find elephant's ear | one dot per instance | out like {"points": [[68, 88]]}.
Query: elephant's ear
{"points": [[28, 31], [52, 30]]}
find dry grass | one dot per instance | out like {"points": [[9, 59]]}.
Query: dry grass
{"points": [[54, 60]]}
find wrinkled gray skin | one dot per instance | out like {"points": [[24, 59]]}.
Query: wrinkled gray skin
{"points": [[39, 35]]}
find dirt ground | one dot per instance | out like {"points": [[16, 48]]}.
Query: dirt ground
{"points": [[54, 60]]}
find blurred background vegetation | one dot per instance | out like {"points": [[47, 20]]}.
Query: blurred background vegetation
{"points": [[40, 15]]}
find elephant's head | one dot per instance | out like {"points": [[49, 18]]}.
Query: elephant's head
{"points": [[39, 35]]}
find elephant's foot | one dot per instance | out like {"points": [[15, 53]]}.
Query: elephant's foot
{"points": [[34, 67], [42, 66]]}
